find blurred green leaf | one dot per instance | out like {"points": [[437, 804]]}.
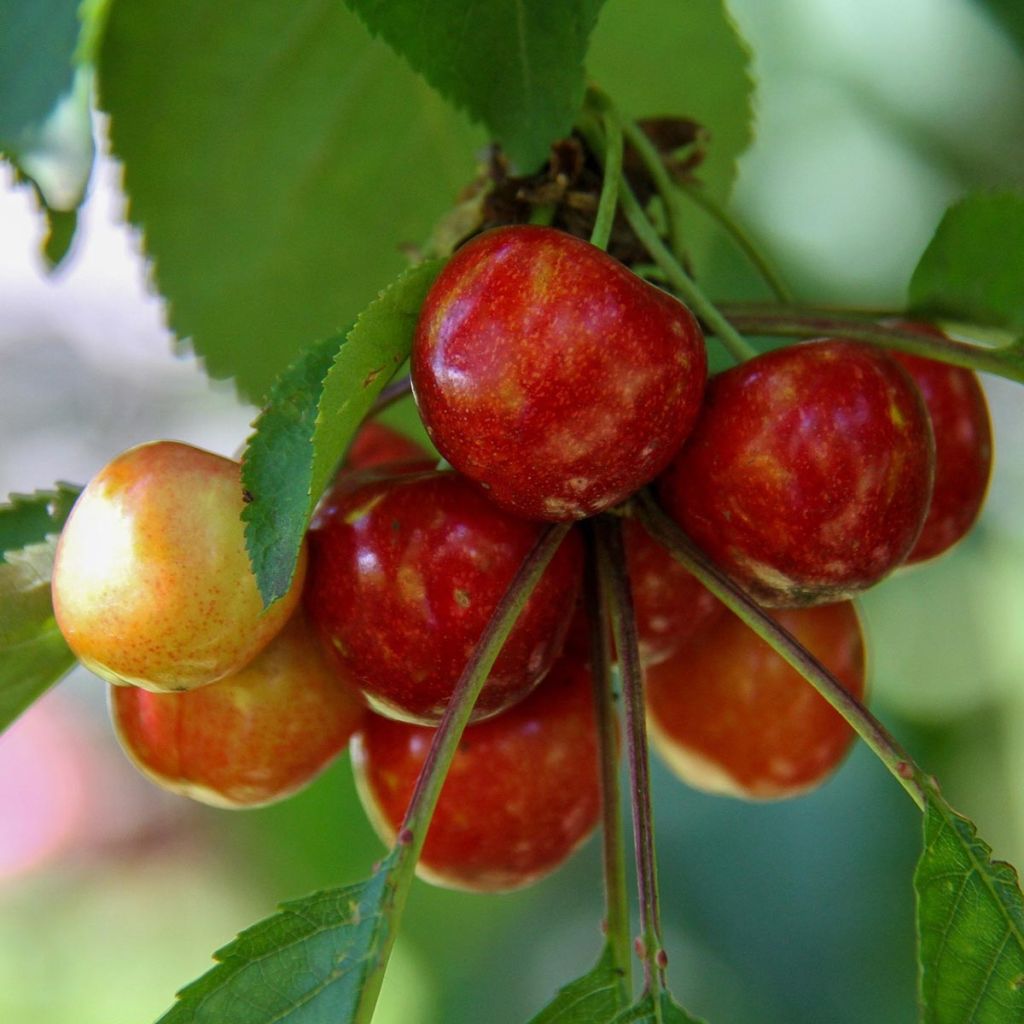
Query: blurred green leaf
{"points": [[275, 162], [317, 961], [1009, 14], [973, 267], [313, 412], [45, 122], [970, 920], [598, 996], [515, 65], [32, 518], [661, 1009], [33, 654]]}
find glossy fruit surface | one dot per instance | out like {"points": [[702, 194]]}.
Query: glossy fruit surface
{"points": [[809, 473], [151, 580], [670, 604], [377, 444], [253, 738], [963, 448], [729, 716], [522, 794], [552, 375], [405, 572]]}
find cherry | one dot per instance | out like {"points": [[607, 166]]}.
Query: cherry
{"points": [[405, 572], [552, 375], [377, 444], [808, 475], [151, 580], [252, 738], [730, 716], [522, 793], [670, 604], [963, 447]]}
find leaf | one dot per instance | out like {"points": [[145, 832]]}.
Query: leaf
{"points": [[1010, 14], [33, 654], [970, 922], [593, 999], [515, 65], [973, 267], [275, 162], [314, 410], [45, 122], [316, 961], [31, 518], [660, 1009]]}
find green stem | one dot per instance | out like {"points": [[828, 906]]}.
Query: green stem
{"points": [[609, 201], [738, 234], [618, 597], [413, 832], [616, 900], [808, 322], [737, 347], [870, 730]]}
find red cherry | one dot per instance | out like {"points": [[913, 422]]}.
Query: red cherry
{"points": [[809, 473], [670, 604], [376, 444], [406, 572], [521, 795], [252, 738], [729, 716], [963, 447], [552, 375]]}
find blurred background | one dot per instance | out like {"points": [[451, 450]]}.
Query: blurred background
{"points": [[871, 118]]}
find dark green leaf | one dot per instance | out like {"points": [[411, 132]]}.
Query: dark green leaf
{"points": [[970, 921], [33, 654], [661, 1009], [974, 265], [593, 999], [277, 470], [275, 162], [515, 65], [314, 410], [32, 518], [1010, 14], [317, 961]]}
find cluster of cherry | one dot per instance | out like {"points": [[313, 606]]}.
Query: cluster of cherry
{"points": [[557, 384]]}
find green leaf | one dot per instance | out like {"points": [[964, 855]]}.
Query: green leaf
{"points": [[317, 961], [275, 162], [1010, 14], [970, 922], [660, 1009], [595, 998], [33, 654], [314, 410], [45, 122], [32, 518], [973, 267], [686, 59], [515, 65]]}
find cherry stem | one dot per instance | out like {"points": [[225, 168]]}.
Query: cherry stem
{"points": [[618, 598], [412, 834], [809, 322], [744, 242], [393, 392], [616, 899], [610, 184], [869, 728]]}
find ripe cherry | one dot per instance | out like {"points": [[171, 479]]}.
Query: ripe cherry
{"points": [[809, 473], [730, 716], [670, 604], [522, 793], [552, 375], [377, 444], [963, 447], [151, 581], [405, 572], [255, 737]]}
